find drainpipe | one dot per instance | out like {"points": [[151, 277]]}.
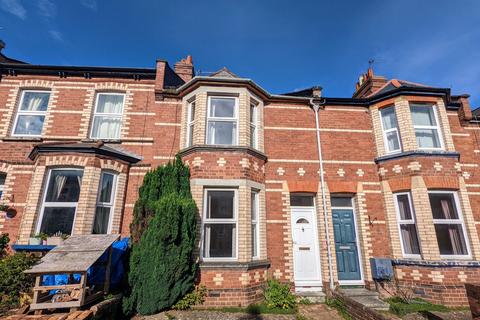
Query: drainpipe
{"points": [[316, 104]]}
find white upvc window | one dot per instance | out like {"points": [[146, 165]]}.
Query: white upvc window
{"points": [[190, 123], [406, 225], [253, 125], [449, 225], [107, 117], [59, 205], [219, 225], [222, 121], [3, 177], [391, 136], [105, 204], [31, 113], [254, 203], [426, 126]]}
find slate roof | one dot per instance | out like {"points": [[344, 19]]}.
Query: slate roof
{"points": [[303, 93], [224, 73], [394, 84]]}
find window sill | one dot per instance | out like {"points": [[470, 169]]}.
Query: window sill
{"points": [[418, 153], [220, 148], [235, 265], [23, 139], [110, 141], [462, 262]]}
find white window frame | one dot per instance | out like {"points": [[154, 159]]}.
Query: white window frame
{"points": [[111, 203], [206, 220], [107, 114], [190, 123], [386, 131], [222, 119], [253, 125], [57, 204], [437, 127], [411, 221], [29, 113], [459, 221], [255, 222], [2, 186]]}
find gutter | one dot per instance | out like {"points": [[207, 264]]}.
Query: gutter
{"points": [[316, 105]]}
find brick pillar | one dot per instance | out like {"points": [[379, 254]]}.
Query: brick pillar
{"points": [[244, 225], [468, 219], [85, 214], [391, 217], [322, 238], [287, 232], [405, 124], [445, 126], [364, 234]]}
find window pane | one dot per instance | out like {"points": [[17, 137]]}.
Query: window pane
{"points": [[102, 217], [423, 115], [253, 136], [221, 132], [443, 206], [393, 141], [106, 188], [254, 205], [301, 201], [404, 207], [389, 118], [222, 107], [3, 176], [35, 101], [254, 240], [219, 241], [57, 220], [341, 202], [220, 204], [451, 240], [410, 239], [105, 127], [29, 125], [190, 135], [64, 186], [110, 103], [192, 112], [427, 138], [253, 113]]}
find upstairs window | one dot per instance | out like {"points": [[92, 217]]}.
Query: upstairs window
{"points": [[406, 224], [31, 113], [190, 123], [391, 136], [107, 118], [105, 202], [253, 125], [449, 226], [222, 119], [425, 123], [60, 201]]}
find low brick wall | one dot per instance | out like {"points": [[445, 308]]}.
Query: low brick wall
{"points": [[358, 311]]}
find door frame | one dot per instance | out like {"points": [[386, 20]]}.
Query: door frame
{"points": [[312, 283], [361, 281]]}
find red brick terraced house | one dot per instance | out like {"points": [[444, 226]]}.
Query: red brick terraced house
{"points": [[297, 187]]}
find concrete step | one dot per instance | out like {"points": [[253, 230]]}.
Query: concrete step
{"points": [[312, 296], [365, 297]]}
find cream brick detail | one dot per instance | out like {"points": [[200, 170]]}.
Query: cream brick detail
{"points": [[360, 172], [87, 201], [257, 277], [221, 162], [405, 124], [52, 105], [36, 84], [397, 168], [280, 171], [197, 161], [244, 278], [341, 172], [66, 161], [377, 130], [445, 126], [364, 233], [466, 175], [277, 274], [468, 219], [218, 279], [255, 166], [301, 172], [112, 165], [245, 163], [391, 219], [111, 86], [417, 276], [400, 274], [437, 166], [287, 232], [436, 276], [458, 167], [462, 276], [382, 171], [414, 166], [87, 113]]}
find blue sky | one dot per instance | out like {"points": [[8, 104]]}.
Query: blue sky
{"points": [[282, 45]]}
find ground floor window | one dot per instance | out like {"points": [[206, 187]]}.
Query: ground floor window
{"points": [[254, 212], [220, 224], [60, 201], [3, 177], [406, 224], [105, 203], [448, 221]]}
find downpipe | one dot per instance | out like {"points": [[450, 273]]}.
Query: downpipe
{"points": [[316, 105]]}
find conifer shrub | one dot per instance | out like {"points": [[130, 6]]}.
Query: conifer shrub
{"points": [[162, 264]]}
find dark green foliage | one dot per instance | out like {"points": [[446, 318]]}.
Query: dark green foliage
{"points": [[162, 266], [340, 306], [278, 295], [4, 240], [401, 307], [193, 298], [13, 282]]}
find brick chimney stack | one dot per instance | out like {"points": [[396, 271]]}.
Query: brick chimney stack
{"points": [[368, 83], [184, 68]]}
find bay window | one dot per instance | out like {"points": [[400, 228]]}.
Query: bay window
{"points": [[426, 126], [406, 224], [449, 226], [190, 123], [222, 121], [220, 224], [105, 204], [60, 201], [107, 117], [31, 113], [253, 125], [254, 216], [391, 136]]}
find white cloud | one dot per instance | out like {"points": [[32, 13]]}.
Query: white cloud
{"points": [[47, 8], [56, 35], [90, 4], [14, 7]]}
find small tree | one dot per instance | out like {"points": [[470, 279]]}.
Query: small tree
{"points": [[162, 265]]}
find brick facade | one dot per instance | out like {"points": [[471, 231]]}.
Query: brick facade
{"points": [[283, 162]]}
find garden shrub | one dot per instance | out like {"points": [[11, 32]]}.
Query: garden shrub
{"points": [[196, 297], [278, 295], [4, 240], [162, 264], [13, 282]]}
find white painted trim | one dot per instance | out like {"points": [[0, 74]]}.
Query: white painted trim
{"points": [[256, 194], [437, 127], [113, 198], [109, 115], [223, 119], [411, 221], [190, 122], [385, 131], [30, 113]]}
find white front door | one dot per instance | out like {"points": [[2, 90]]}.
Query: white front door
{"points": [[306, 258]]}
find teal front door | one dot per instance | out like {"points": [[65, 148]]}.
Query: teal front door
{"points": [[348, 266]]}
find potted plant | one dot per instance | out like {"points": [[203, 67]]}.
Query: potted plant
{"points": [[35, 240], [43, 238]]}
